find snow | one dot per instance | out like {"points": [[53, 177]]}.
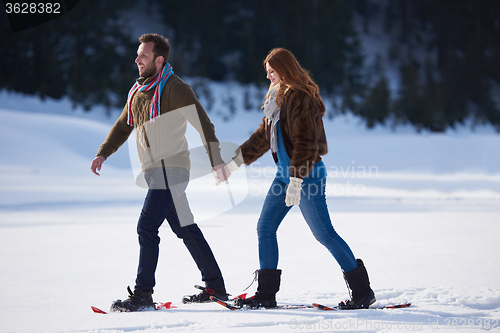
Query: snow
{"points": [[422, 211]]}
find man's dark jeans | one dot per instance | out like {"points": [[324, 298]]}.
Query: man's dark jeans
{"points": [[161, 204]]}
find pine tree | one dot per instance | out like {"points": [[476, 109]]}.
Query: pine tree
{"points": [[376, 107], [82, 54]]}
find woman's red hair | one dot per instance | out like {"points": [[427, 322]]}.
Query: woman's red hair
{"points": [[292, 76]]}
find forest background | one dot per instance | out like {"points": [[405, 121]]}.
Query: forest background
{"points": [[437, 65]]}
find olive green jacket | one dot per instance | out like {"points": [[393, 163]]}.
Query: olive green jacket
{"points": [[163, 141]]}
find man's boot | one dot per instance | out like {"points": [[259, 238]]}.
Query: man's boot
{"points": [[204, 295], [139, 300]]}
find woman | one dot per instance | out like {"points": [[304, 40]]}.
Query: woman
{"points": [[293, 130]]}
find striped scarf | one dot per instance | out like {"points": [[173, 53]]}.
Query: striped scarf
{"points": [[158, 83]]}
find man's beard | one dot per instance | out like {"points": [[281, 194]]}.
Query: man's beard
{"points": [[149, 71]]}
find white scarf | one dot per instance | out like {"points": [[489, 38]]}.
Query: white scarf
{"points": [[272, 112]]}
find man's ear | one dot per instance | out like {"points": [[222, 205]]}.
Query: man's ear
{"points": [[159, 60]]}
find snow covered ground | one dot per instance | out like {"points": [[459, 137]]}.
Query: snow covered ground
{"points": [[422, 210]]}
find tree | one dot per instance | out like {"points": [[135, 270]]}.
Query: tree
{"points": [[81, 54], [222, 39], [450, 52]]}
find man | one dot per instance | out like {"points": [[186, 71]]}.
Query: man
{"points": [[158, 107]]}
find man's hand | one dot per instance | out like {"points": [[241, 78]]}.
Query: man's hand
{"points": [[96, 165], [221, 173]]}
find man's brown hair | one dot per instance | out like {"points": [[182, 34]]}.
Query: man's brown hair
{"points": [[161, 45]]}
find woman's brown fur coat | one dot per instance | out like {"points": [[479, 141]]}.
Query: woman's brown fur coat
{"points": [[301, 124]]}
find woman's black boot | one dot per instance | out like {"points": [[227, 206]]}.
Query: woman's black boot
{"points": [[362, 296], [269, 284]]}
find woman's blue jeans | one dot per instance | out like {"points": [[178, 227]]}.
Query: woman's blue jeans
{"points": [[314, 209], [161, 204]]}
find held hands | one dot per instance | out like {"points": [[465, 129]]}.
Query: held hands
{"points": [[222, 172], [293, 192]]}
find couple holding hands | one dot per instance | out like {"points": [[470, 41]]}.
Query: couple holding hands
{"points": [[292, 128]]}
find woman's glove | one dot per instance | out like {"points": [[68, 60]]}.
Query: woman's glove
{"points": [[293, 191]]}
